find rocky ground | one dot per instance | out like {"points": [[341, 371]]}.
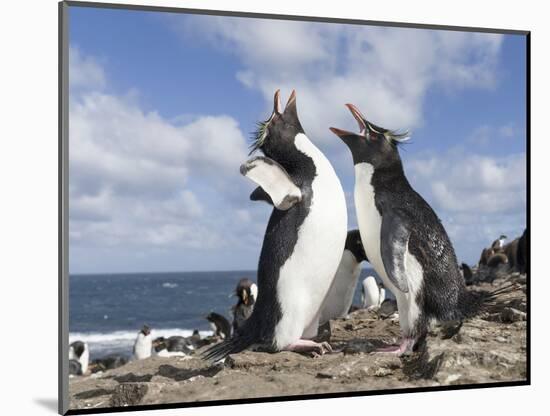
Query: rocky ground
{"points": [[489, 348]]}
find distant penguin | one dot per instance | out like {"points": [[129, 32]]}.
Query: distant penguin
{"points": [[247, 293], [499, 243], [75, 369], [79, 351], [174, 346], [486, 253], [144, 344], [303, 242], [109, 362], [497, 259], [195, 339], [511, 252], [522, 255], [467, 274], [220, 325], [370, 293], [388, 309], [340, 295], [403, 237]]}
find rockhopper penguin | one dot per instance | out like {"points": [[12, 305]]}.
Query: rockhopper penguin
{"points": [[174, 346], [247, 293], [303, 242], [219, 324], [341, 292], [143, 344], [403, 237], [372, 295], [80, 352]]}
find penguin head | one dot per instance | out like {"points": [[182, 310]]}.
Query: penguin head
{"points": [[159, 344], [246, 291], [355, 245], [373, 144], [275, 136], [145, 330]]}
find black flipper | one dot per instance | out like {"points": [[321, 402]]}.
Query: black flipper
{"points": [[260, 195], [395, 236]]}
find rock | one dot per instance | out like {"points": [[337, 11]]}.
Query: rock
{"points": [[491, 347], [513, 315], [128, 394], [132, 378]]}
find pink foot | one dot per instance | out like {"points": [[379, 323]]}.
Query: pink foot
{"points": [[307, 345], [406, 344]]}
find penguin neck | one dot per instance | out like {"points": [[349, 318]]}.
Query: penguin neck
{"points": [[301, 162], [393, 176]]}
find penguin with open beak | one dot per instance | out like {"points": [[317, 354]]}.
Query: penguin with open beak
{"points": [[403, 238], [303, 242]]}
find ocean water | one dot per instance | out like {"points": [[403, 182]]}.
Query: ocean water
{"points": [[107, 310]]}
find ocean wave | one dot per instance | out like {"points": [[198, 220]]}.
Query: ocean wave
{"points": [[125, 336], [169, 285]]}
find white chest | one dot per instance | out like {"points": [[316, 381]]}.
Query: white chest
{"points": [[143, 345], [371, 293], [306, 276], [341, 292], [368, 217]]}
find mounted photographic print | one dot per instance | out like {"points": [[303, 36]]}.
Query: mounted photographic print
{"points": [[259, 208]]}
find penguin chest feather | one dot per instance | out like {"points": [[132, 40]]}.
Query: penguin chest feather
{"points": [[341, 292], [369, 219], [370, 225], [306, 276]]}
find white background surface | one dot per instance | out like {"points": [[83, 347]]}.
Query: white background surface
{"points": [[28, 183]]}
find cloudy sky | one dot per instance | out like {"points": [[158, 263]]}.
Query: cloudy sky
{"points": [[161, 107]]}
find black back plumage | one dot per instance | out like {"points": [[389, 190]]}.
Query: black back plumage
{"points": [[428, 243], [282, 229]]}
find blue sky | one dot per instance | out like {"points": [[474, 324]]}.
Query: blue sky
{"points": [[161, 106]]}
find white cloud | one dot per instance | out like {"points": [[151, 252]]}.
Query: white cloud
{"points": [[473, 183], [84, 71], [140, 180], [386, 72], [486, 135]]}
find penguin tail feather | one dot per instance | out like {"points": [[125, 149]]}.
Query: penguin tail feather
{"points": [[232, 345], [477, 302]]}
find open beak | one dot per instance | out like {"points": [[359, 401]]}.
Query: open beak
{"points": [[277, 102], [360, 122], [358, 117]]}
